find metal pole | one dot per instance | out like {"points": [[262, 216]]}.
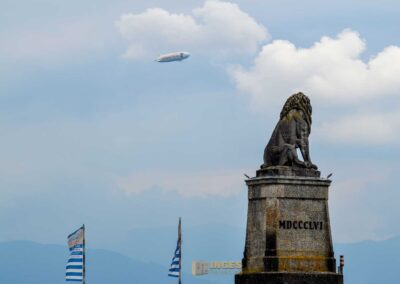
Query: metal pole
{"points": [[84, 256], [180, 248]]}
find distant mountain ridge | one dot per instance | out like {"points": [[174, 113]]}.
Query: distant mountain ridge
{"points": [[371, 262], [367, 262], [23, 262]]}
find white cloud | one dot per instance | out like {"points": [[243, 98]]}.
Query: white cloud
{"points": [[217, 28], [212, 183], [333, 74], [368, 128], [331, 71]]}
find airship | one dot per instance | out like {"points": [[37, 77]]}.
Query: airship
{"points": [[175, 56]]}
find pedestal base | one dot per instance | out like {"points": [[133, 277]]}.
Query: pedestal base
{"points": [[289, 278], [288, 226]]}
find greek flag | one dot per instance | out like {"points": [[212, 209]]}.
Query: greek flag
{"points": [[175, 264], [175, 268], [76, 261]]}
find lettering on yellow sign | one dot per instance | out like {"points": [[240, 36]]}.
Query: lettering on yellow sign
{"points": [[225, 265]]}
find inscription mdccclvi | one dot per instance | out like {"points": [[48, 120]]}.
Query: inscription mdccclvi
{"points": [[301, 225]]}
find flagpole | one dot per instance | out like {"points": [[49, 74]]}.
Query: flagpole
{"points": [[84, 256], [180, 258]]}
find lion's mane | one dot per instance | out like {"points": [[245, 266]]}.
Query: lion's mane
{"points": [[301, 102]]}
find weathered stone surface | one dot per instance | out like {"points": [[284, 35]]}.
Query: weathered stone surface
{"points": [[289, 278], [288, 237], [288, 232], [287, 171], [291, 133]]}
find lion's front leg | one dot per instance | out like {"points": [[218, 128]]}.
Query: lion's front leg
{"points": [[289, 156], [303, 131], [306, 156]]}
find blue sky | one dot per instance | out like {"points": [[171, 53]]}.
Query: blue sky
{"points": [[94, 131]]}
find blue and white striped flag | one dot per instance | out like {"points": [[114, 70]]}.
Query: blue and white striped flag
{"points": [[175, 268], [175, 264], [76, 261]]}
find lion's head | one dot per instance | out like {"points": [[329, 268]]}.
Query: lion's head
{"points": [[301, 102]]}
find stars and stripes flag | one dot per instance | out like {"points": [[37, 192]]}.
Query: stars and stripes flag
{"points": [[175, 268], [75, 270]]}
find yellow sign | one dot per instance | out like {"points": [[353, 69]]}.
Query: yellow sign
{"points": [[225, 265], [203, 267]]}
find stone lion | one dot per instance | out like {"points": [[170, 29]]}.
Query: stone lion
{"points": [[290, 133]]}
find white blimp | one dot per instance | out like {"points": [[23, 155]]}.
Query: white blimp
{"points": [[175, 56]]}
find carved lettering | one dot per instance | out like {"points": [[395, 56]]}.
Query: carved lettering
{"points": [[301, 225]]}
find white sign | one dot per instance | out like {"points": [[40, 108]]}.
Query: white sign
{"points": [[203, 267], [199, 268]]}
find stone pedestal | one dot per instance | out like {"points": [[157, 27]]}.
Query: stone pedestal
{"points": [[289, 278], [288, 238]]}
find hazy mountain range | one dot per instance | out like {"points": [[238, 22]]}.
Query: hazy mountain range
{"points": [[145, 255], [23, 262]]}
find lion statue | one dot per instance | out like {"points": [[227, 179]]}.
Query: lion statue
{"points": [[290, 133]]}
